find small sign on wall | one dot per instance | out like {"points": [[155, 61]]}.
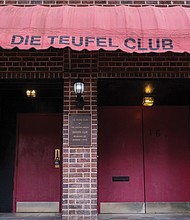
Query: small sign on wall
{"points": [[80, 129]]}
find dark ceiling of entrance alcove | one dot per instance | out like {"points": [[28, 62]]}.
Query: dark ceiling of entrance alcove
{"points": [[45, 88], [129, 92], [49, 95]]}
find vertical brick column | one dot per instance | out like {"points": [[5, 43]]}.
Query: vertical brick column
{"points": [[79, 200]]}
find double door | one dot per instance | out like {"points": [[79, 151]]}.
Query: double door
{"points": [[143, 163]]}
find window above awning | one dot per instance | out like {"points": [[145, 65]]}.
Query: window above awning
{"points": [[130, 29]]}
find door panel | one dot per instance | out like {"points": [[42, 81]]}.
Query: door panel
{"points": [[166, 142], [120, 155], [37, 185], [155, 159]]}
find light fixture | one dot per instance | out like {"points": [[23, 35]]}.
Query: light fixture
{"points": [[148, 101], [31, 93], [79, 89], [148, 89]]}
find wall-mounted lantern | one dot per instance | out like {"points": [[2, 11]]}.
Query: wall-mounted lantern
{"points": [[148, 101], [79, 90]]}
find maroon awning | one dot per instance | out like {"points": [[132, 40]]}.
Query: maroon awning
{"points": [[131, 29]]}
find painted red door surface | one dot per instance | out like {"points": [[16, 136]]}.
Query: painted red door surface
{"points": [[37, 181], [167, 157], [150, 146], [120, 162]]}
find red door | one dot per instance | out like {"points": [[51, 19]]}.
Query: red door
{"points": [[167, 158], [143, 159], [37, 181], [120, 162]]}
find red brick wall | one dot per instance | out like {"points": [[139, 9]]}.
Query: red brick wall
{"points": [[58, 63], [31, 64]]}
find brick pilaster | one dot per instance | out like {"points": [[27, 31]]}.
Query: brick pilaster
{"points": [[80, 163]]}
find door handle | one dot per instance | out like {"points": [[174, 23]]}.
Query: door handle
{"points": [[57, 158]]}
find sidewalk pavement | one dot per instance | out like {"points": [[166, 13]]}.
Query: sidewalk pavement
{"points": [[146, 217], [57, 216]]}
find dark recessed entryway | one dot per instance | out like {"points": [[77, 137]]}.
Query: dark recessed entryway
{"points": [[13, 101], [49, 96], [129, 92]]}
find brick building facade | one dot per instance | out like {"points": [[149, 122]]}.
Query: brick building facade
{"points": [[79, 164]]}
